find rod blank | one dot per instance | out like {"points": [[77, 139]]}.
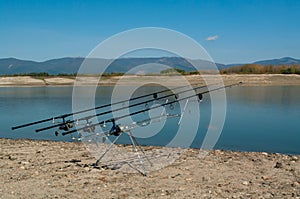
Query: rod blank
{"points": [[118, 109], [90, 109]]}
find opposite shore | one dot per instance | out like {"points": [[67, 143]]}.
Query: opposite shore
{"points": [[248, 80]]}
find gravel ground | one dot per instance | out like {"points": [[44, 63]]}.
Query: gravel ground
{"points": [[46, 169], [248, 80]]}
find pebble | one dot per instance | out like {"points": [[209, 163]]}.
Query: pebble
{"points": [[245, 183], [265, 178], [296, 184], [174, 176], [26, 163], [264, 153], [295, 158], [95, 170], [278, 165]]}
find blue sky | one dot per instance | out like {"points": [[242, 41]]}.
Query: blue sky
{"points": [[240, 31]]}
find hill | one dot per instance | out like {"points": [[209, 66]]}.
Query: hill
{"points": [[70, 65], [281, 61]]}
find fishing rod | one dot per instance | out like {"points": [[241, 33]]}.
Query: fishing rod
{"points": [[154, 94], [116, 130], [118, 109]]}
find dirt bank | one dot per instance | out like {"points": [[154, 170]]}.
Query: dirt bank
{"points": [[249, 80], [45, 169]]}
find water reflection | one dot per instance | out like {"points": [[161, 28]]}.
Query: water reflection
{"points": [[272, 95]]}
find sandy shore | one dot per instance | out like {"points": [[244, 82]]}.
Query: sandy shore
{"points": [[249, 80], [45, 169]]}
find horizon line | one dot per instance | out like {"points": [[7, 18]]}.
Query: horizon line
{"points": [[140, 57]]}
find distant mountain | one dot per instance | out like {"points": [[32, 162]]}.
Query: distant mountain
{"points": [[53, 66], [71, 65], [281, 61]]}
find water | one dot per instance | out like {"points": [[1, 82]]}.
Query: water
{"points": [[258, 118]]}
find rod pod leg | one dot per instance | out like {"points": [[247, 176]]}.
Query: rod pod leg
{"points": [[107, 149], [137, 153], [143, 151]]}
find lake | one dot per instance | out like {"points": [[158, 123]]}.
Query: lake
{"points": [[262, 118]]}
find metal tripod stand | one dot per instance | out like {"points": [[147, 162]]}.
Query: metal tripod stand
{"points": [[136, 146]]}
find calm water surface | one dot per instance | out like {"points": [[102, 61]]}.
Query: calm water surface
{"points": [[258, 118]]}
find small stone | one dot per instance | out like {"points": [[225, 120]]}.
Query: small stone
{"points": [[295, 158], [264, 153], [25, 163], [116, 167], [174, 176], [265, 178], [246, 183], [22, 167], [278, 165], [295, 184], [95, 170]]}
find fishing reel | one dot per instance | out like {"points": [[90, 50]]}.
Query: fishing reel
{"points": [[200, 97], [115, 130], [66, 126]]}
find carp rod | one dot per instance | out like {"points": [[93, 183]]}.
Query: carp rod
{"points": [[116, 130], [154, 94], [86, 118]]}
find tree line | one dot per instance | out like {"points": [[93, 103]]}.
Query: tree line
{"points": [[262, 69], [243, 69], [41, 74]]}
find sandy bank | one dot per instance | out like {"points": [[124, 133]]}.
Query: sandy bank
{"points": [[44, 169], [250, 80]]}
